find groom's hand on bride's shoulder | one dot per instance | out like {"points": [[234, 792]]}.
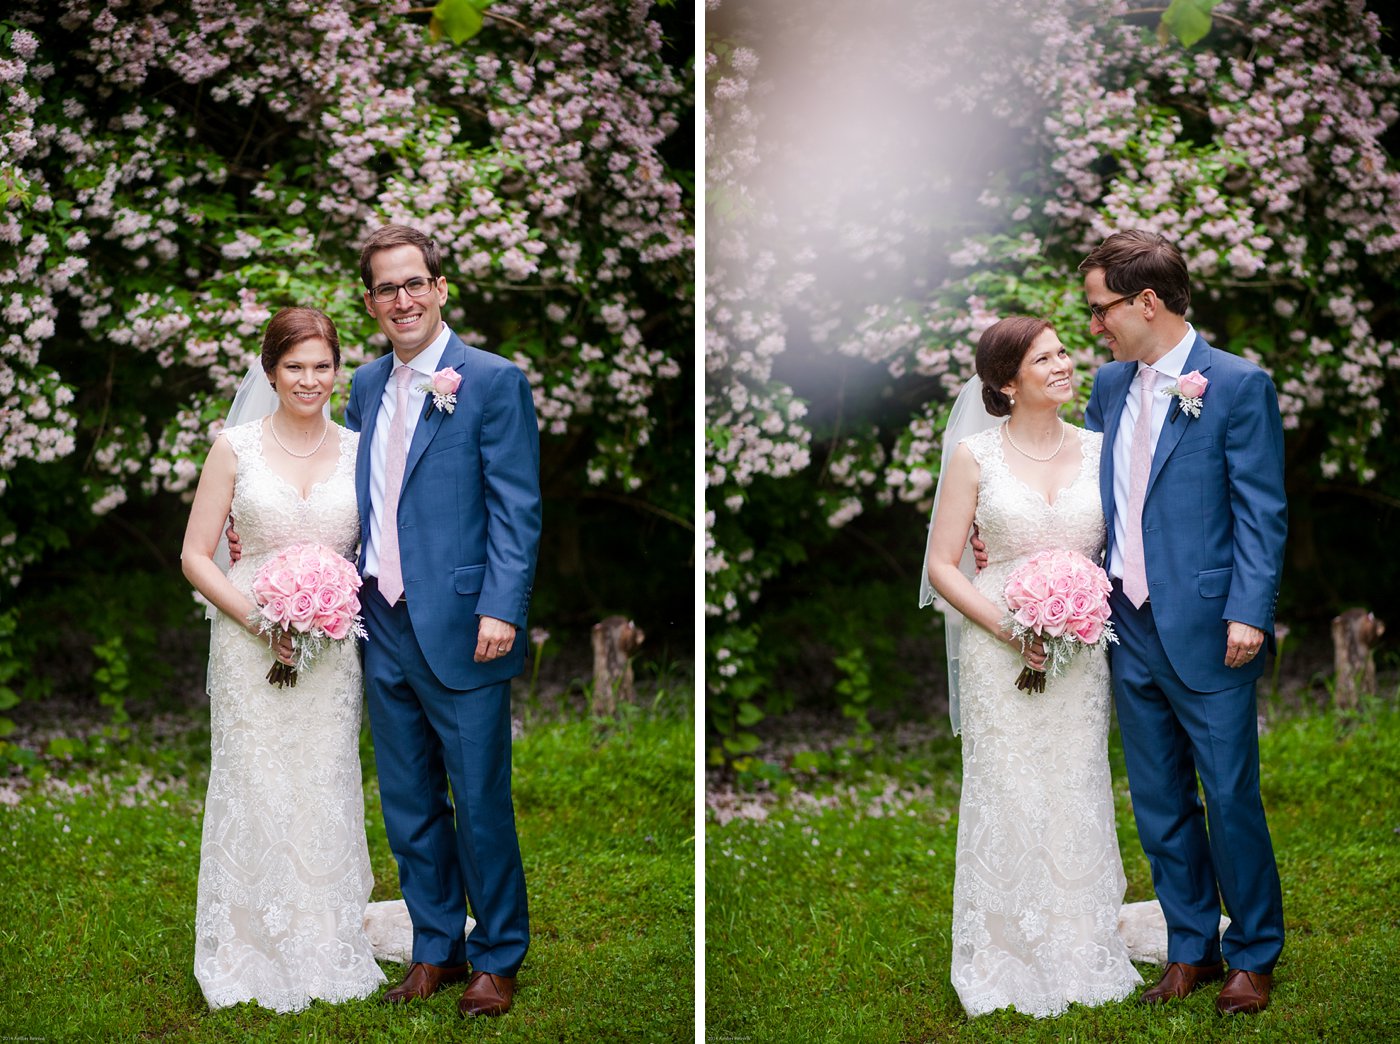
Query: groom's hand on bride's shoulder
{"points": [[979, 550], [235, 546]]}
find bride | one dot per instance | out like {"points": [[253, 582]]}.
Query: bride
{"points": [[284, 872], [1039, 880]]}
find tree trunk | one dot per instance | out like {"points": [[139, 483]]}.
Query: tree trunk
{"points": [[1354, 636], [615, 639]]}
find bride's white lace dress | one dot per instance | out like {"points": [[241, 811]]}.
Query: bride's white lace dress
{"points": [[1039, 879], [284, 872]]}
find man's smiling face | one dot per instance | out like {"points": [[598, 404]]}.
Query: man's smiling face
{"points": [[410, 323]]}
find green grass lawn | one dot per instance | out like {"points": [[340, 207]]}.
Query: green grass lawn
{"points": [[97, 895], [829, 920]]}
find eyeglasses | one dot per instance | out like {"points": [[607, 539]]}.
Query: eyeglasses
{"points": [[416, 287], [1099, 311]]}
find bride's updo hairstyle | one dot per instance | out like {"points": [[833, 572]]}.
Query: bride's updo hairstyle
{"points": [[289, 327], [1000, 350]]}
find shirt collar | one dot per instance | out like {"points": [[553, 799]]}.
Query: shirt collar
{"points": [[426, 361], [1174, 362]]}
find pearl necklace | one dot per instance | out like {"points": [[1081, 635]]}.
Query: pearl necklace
{"points": [[1031, 456], [325, 430]]}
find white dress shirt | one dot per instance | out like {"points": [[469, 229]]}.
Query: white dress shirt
{"points": [[424, 365], [1169, 368]]}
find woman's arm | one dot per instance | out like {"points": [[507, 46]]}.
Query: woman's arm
{"points": [[957, 507], [212, 500]]}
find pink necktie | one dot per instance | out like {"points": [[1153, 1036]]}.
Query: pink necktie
{"points": [[1134, 560], [390, 572]]}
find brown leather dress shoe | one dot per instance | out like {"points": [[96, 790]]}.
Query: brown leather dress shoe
{"points": [[1180, 979], [487, 994], [422, 981], [1244, 993]]}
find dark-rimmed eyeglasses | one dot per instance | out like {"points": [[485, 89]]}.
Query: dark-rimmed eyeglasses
{"points": [[416, 287], [1098, 311]]}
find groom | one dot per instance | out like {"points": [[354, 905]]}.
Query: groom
{"points": [[448, 486], [1192, 487]]}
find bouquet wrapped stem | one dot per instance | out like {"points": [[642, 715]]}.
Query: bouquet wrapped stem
{"points": [[1029, 680], [282, 674]]}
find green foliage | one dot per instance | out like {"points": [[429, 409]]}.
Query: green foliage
{"points": [[1187, 20], [854, 688], [111, 680], [458, 19]]}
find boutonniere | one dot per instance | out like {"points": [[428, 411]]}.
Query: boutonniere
{"points": [[1189, 389], [443, 388]]}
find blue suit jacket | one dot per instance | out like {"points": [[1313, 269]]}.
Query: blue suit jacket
{"points": [[1215, 517], [469, 509]]}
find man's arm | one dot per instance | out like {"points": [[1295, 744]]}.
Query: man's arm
{"points": [[510, 466], [1259, 506]]}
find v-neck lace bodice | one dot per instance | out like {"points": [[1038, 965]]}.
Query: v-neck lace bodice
{"points": [[270, 513]]}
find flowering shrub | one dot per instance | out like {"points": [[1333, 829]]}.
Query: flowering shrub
{"points": [[172, 173], [883, 184]]}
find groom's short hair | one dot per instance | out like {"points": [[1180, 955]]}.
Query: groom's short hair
{"points": [[1135, 260], [387, 237]]}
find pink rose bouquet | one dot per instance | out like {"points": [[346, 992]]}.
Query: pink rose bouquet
{"points": [[1060, 597], [311, 593]]}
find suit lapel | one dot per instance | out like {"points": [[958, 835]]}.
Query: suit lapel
{"points": [[454, 354], [1174, 430]]}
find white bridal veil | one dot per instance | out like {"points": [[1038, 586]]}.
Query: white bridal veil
{"points": [[968, 417]]}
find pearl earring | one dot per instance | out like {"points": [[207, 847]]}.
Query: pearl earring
{"points": [[1013, 400]]}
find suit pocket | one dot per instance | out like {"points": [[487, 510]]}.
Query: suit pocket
{"points": [[468, 579], [446, 443], [1196, 444], [1215, 583]]}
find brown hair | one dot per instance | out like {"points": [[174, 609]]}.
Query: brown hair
{"points": [[1000, 350], [289, 327], [387, 237], [1134, 260]]}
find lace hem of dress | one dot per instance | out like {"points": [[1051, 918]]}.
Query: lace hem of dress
{"points": [[1050, 1003]]}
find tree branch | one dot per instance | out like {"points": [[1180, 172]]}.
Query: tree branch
{"points": [[642, 505]]}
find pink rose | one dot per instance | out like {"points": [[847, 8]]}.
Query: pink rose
{"points": [[1054, 616], [280, 580], [1089, 631], [301, 608], [337, 626], [1037, 586], [1081, 605], [328, 600], [274, 610], [445, 381], [1016, 595], [1192, 384]]}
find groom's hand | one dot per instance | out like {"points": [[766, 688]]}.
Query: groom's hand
{"points": [[1242, 644], [235, 546], [979, 550], [494, 639]]}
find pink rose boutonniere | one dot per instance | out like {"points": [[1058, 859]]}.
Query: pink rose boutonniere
{"points": [[443, 388], [1190, 390]]}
